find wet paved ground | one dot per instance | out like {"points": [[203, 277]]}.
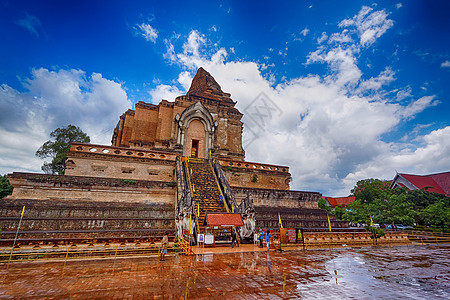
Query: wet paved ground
{"points": [[406, 272]]}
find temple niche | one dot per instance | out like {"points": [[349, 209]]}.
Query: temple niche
{"points": [[204, 123]]}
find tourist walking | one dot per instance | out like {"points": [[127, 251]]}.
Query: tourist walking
{"points": [[233, 238], [268, 236], [261, 238], [164, 244]]}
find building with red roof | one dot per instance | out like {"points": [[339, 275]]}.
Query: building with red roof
{"points": [[438, 183], [339, 201]]}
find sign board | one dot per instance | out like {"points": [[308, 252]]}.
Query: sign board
{"points": [[292, 235], [201, 238], [209, 239]]}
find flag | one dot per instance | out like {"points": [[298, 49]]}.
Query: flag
{"points": [[371, 221], [23, 210], [279, 220], [190, 223], [198, 210], [329, 223]]}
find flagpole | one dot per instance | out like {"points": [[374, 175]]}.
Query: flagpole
{"points": [[281, 226], [329, 223], [17, 232]]}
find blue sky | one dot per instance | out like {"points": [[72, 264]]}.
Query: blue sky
{"points": [[361, 88]]}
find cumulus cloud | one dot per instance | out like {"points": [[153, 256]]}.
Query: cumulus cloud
{"points": [[369, 24], [433, 156], [53, 99], [148, 32], [445, 64], [328, 128], [164, 91], [30, 23]]}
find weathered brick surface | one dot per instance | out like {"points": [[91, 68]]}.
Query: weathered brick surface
{"points": [[267, 217], [56, 219], [70, 188], [278, 198], [354, 238]]}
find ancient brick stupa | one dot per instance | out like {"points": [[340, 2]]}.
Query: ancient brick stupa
{"points": [[182, 160]]}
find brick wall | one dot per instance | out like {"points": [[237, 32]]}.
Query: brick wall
{"points": [[57, 221], [278, 198], [70, 188]]}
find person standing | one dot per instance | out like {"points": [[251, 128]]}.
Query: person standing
{"points": [[261, 238], [233, 238], [164, 244], [268, 236]]}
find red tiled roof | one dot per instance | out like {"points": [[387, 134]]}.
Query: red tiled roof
{"points": [[342, 201], [223, 219], [421, 182], [443, 179]]}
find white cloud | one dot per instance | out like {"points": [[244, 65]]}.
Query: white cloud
{"points": [[376, 83], [445, 64], [166, 92], [30, 23], [369, 24], [322, 38], [417, 106], [304, 32], [53, 99], [330, 127], [432, 157], [399, 5], [148, 32]]}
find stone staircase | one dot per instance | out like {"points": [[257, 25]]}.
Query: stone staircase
{"points": [[205, 190]]}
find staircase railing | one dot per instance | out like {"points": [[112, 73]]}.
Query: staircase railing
{"points": [[191, 191], [225, 187], [225, 203], [184, 197], [186, 247], [185, 205]]}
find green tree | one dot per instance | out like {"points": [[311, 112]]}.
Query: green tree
{"points": [[368, 190], [5, 187], [58, 147], [323, 205], [374, 199], [338, 211], [437, 214]]}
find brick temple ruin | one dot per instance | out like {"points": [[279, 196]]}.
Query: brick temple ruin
{"points": [[169, 166]]}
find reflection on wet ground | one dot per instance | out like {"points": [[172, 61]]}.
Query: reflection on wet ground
{"points": [[407, 272]]}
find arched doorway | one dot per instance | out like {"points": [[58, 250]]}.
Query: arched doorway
{"points": [[195, 139], [196, 128]]}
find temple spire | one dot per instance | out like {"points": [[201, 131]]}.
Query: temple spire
{"points": [[204, 85]]}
